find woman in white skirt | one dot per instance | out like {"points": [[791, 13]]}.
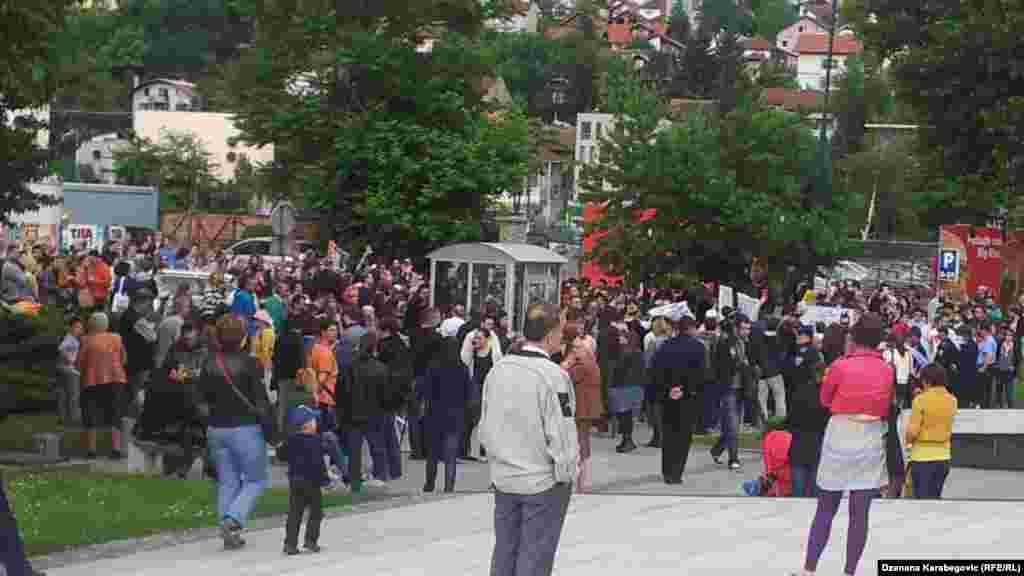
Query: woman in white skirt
{"points": [[857, 389]]}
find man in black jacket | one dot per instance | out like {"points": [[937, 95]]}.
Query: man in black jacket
{"points": [[767, 354], [807, 418], [426, 345], [678, 369], [732, 364]]}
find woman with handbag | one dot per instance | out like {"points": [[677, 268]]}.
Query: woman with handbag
{"points": [[238, 427]]}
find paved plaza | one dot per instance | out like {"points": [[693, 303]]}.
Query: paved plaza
{"points": [[633, 521], [604, 534]]}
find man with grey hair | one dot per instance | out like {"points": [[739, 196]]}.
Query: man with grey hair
{"points": [[528, 427]]}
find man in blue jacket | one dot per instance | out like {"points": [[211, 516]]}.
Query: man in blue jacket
{"points": [[678, 372]]}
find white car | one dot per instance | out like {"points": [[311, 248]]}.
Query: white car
{"points": [[241, 252]]}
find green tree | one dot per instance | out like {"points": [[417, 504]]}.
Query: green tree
{"points": [[887, 174], [404, 149], [773, 16], [178, 164], [724, 191], [959, 66], [24, 84]]}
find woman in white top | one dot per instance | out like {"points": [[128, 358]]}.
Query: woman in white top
{"points": [[902, 361]]}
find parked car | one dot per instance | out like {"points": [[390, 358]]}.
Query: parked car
{"points": [[250, 247]]}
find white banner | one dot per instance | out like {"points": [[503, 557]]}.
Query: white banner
{"points": [[724, 297], [749, 307], [82, 237], [827, 314]]}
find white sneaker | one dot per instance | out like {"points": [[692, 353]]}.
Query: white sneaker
{"points": [[375, 483]]}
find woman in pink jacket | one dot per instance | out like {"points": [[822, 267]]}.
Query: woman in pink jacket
{"points": [[857, 390]]}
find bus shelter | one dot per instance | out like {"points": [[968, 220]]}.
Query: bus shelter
{"points": [[512, 276]]}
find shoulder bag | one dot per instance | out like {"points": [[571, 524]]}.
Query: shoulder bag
{"points": [[267, 421]]}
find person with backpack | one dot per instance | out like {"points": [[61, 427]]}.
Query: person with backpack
{"points": [[710, 336]]}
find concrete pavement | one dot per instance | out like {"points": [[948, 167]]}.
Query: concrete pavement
{"points": [[604, 534], [640, 473], [632, 521]]}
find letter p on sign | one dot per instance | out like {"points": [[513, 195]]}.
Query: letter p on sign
{"points": [[949, 265]]}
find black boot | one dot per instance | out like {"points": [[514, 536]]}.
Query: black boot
{"points": [[627, 444], [431, 475]]}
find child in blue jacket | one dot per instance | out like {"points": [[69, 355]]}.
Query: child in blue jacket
{"points": [[306, 474]]}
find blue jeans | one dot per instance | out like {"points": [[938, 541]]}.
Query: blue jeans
{"points": [[387, 458], [805, 481], [378, 454], [329, 433], [243, 469], [729, 408], [711, 412]]}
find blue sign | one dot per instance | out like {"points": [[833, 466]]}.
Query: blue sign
{"points": [[949, 265]]}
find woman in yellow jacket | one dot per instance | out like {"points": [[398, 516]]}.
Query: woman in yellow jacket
{"points": [[929, 435], [263, 345]]}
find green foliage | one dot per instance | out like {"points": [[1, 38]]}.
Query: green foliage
{"points": [[889, 173], [24, 84], [523, 60], [404, 152], [959, 67], [179, 164], [724, 190], [773, 16]]}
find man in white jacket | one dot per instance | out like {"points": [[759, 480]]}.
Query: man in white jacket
{"points": [[528, 427]]}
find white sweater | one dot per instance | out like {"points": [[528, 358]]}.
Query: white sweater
{"points": [[528, 425]]}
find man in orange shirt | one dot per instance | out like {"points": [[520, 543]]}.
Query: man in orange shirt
{"points": [[324, 364]]}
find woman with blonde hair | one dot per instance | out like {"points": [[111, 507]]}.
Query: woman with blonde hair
{"points": [[232, 386], [101, 362]]}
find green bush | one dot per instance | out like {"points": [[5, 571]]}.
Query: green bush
{"points": [[29, 352]]}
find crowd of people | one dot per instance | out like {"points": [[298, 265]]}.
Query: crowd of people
{"points": [[317, 361]]}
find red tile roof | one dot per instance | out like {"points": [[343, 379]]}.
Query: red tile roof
{"points": [[818, 44], [758, 43], [792, 100]]}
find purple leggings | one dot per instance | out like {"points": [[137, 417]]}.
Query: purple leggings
{"points": [[856, 534]]}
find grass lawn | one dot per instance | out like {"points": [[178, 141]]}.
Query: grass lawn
{"points": [[743, 440], [16, 433], [67, 506]]}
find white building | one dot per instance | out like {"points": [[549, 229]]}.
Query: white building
{"points": [[215, 131], [814, 61], [526, 19], [98, 155], [590, 128], [163, 94], [807, 24]]}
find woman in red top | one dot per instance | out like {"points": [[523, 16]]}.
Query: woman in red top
{"points": [[857, 389]]}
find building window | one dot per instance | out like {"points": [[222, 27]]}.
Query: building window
{"points": [[800, 29], [532, 181], [164, 93], [97, 155], [590, 154], [145, 92], [558, 97], [785, 43], [232, 157], [585, 131]]}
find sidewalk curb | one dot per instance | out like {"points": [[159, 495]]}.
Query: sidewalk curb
{"points": [[365, 504]]}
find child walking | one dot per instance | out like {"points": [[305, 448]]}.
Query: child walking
{"points": [[306, 474]]}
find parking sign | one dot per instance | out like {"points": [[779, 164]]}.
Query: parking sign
{"points": [[949, 265]]}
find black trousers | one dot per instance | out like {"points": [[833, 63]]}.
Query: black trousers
{"points": [[472, 419], [303, 495], [677, 421]]}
